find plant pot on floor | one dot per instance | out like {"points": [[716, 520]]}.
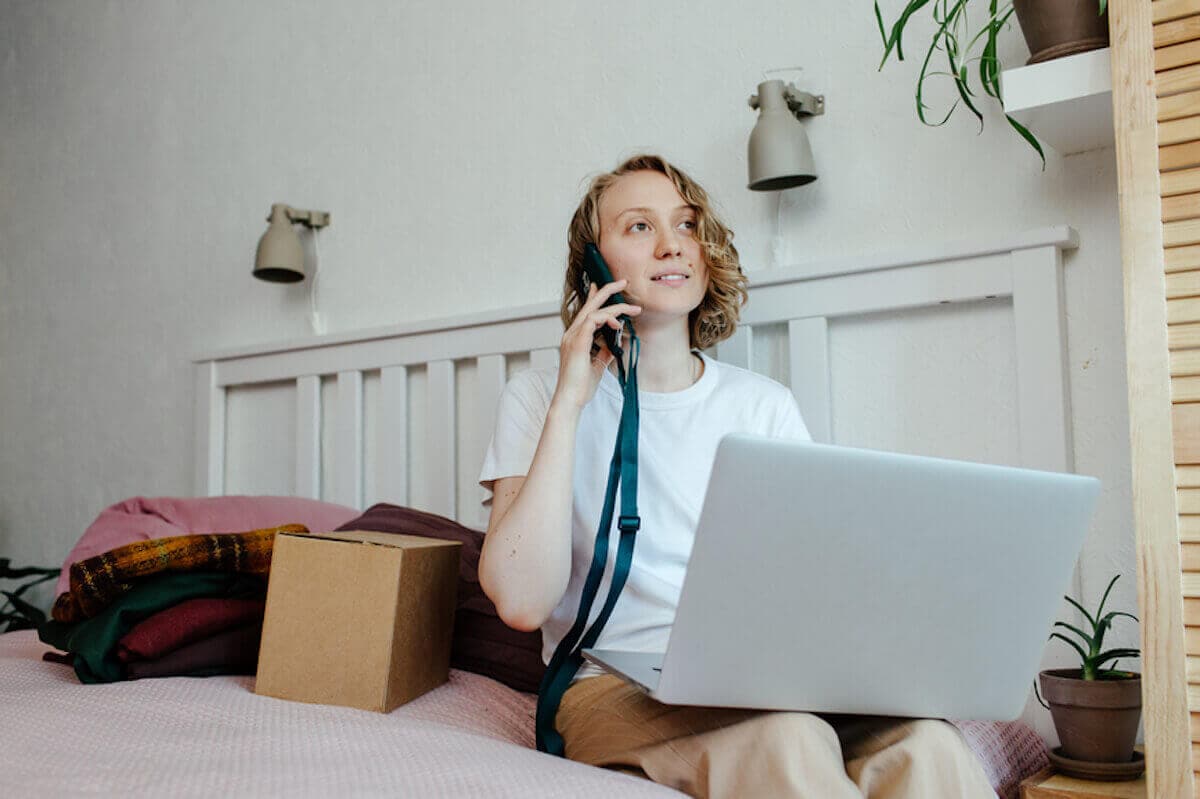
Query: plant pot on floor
{"points": [[1096, 720], [1057, 28]]}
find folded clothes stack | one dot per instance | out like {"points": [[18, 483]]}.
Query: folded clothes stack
{"points": [[180, 606]]}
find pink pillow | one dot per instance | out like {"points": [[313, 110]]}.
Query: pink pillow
{"points": [[145, 518]]}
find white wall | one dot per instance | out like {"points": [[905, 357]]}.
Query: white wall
{"points": [[142, 143]]}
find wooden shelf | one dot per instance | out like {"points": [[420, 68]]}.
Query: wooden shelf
{"points": [[1049, 785], [1066, 102]]}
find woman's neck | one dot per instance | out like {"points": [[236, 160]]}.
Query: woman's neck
{"points": [[666, 363]]}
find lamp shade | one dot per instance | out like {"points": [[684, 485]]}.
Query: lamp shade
{"points": [[779, 156], [280, 258]]}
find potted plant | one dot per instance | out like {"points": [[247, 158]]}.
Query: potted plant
{"points": [[1052, 28], [1095, 708], [16, 613]]}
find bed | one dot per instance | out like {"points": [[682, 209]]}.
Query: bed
{"points": [[403, 415], [213, 736]]}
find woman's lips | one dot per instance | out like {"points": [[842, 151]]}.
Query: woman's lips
{"points": [[672, 281]]}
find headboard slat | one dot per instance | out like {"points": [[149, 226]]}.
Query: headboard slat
{"points": [[308, 436], [391, 483], [490, 376], [808, 366], [1040, 328], [736, 349], [543, 358], [210, 430], [441, 439], [348, 439]]}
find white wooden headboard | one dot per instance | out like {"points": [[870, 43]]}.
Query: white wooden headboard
{"points": [[434, 385]]}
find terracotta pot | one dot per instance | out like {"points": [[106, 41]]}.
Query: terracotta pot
{"points": [[1055, 28], [1096, 720]]}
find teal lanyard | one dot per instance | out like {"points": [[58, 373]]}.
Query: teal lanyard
{"points": [[623, 470]]}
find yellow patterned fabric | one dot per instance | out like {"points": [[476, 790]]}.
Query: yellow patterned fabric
{"points": [[97, 581]]}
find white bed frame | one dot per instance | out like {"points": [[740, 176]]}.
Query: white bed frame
{"points": [[1027, 268]]}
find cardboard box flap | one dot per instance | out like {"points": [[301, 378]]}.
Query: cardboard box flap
{"points": [[400, 540]]}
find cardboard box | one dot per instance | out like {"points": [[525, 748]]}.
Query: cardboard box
{"points": [[358, 618]]}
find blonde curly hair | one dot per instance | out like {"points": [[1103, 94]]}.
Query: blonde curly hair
{"points": [[716, 318]]}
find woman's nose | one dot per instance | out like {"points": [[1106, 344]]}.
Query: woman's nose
{"points": [[668, 244]]}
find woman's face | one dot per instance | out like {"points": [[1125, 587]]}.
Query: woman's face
{"points": [[648, 237]]}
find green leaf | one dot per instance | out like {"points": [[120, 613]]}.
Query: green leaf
{"points": [[1029, 137], [965, 94], [882, 30], [1103, 599], [937, 36], [1103, 7], [1101, 629], [1087, 638], [894, 40], [1039, 695], [988, 67], [1124, 652], [989, 62], [1083, 655], [1105, 625], [1079, 607]]}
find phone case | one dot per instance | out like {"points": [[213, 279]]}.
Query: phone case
{"points": [[595, 270]]}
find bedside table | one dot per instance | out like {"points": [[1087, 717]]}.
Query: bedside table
{"points": [[1049, 785]]}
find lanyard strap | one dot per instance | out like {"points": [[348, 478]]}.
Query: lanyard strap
{"points": [[623, 471]]}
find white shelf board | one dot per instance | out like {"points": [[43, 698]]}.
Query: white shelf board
{"points": [[1065, 102]]}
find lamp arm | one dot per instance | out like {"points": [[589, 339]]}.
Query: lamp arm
{"points": [[312, 219], [803, 103]]}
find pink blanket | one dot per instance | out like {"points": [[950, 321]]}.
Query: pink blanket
{"points": [[211, 736]]}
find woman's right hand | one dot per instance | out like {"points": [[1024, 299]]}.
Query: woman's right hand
{"points": [[583, 356]]}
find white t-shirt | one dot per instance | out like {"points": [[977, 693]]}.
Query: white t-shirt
{"points": [[678, 436]]}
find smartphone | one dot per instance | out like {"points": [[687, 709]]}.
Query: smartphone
{"points": [[596, 271]]}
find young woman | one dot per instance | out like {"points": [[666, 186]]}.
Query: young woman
{"points": [[547, 467]]}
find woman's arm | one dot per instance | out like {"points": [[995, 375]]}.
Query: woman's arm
{"points": [[525, 564], [526, 560]]}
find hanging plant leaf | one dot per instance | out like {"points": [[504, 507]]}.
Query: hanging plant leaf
{"points": [[1029, 137]]}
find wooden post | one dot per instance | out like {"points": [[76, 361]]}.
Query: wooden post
{"points": [[1164, 681]]}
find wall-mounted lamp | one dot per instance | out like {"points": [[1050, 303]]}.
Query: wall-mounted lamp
{"points": [[280, 258], [780, 156]]}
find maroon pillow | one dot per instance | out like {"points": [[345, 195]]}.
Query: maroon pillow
{"points": [[482, 643]]}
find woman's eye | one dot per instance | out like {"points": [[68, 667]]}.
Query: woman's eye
{"points": [[635, 225], [690, 224]]}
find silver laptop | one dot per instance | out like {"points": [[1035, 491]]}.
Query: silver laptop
{"points": [[842, 580]]}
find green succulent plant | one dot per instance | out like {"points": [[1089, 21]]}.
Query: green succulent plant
{"points": [[1094, 656], [16, 612], [959, 41]]}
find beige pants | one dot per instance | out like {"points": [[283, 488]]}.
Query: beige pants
{"points": [[715, 752]]}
